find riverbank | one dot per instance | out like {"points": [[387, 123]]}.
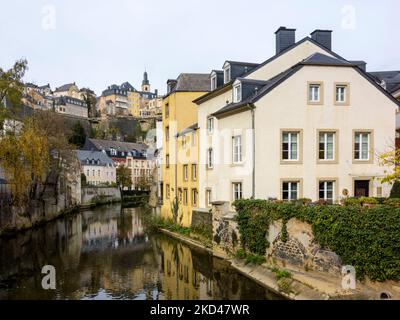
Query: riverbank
{"points": [[10, 232], [301, 285]]}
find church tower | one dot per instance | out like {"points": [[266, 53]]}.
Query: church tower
{"points": [[145, 83]]}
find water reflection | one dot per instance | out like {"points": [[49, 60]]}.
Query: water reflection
{"points": [[107, 254]]}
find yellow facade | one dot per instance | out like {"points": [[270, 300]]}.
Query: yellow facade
{"points": [[180, 113]]}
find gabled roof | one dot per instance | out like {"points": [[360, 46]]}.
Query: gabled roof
{"points": [[65, 87], [118, 145], [191, 82], [316, 59], [84, 155], [226, 87], [391, 79]]}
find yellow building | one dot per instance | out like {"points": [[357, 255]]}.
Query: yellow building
{"points": [[139, 101], [180, 146]]}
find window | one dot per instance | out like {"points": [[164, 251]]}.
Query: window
{"points": [[237, 190], [342, 93], [208, 197], [361, 146], [185, 172], [180, 195], [167, 133], [326, 191], [227, 74], [290, 191], [194, 171], [210, 124], [237, 93], [326, 146], [185, 197], [88, 173], [98, 173], [194, 197], [315, 93], [290, 146], [167, 160], [210, 160], [167, 191], [237, 149], [113, 152], [213, 82]]}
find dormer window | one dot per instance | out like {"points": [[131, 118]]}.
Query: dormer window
{"points": [[237, 93], [213, 82], [227, 73]]}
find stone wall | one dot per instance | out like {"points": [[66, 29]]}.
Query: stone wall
{"points": [[202, 219], [225, 228], [91, 195], [300, 249]]}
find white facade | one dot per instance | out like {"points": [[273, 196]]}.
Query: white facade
{"points": [[286, 108]]}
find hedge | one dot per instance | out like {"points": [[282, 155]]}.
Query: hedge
{"points": [[367, 238]]}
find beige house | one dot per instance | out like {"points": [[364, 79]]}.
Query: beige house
{"points": [[68, 90], [71, 106], [97, 167], [306, 123]]}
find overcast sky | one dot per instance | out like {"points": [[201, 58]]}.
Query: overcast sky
{"points": [[97, 43]]}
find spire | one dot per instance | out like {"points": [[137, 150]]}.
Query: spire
{"points": [[145, 78]]}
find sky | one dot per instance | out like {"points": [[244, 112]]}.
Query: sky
{"points": [[96, 43]]}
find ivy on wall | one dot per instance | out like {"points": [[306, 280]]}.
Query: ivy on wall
{"points": [[367, 238]]}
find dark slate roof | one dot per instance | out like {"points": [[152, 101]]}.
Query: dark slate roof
{"points": [[324, 60], [391, 79], [118, 145], [65, 87], [63, 100], [242, 63], [84, 155], [194, 82], [191, 128]]}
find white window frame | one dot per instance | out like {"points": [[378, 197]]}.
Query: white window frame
{"points": [[213, 82], [325, 134], [325, 190], [227, 74], [360, 151], [238, 191], [337, 94], [290, 190], [237, 93], [290, 134], [311, 92], [210, 125], [237, 149]]}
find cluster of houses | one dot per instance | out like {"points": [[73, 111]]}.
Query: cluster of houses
{"points": [[99, 160], [305, 123], [70, 100]]}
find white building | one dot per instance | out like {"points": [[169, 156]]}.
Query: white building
{"points": [[98, 168], [314, 121]]}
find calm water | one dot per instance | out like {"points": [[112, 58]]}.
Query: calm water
{"points": [[107, 254]]}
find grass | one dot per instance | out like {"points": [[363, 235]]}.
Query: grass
{"points": [[250, 257]]}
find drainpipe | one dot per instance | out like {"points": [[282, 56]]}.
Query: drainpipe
{"points": [[253, 190]]}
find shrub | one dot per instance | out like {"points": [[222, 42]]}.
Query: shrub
{"points": [[395, 202], [367, 200], [367, 238], [352, 202]]}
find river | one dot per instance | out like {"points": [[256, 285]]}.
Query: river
{"points": [[106, 253]]}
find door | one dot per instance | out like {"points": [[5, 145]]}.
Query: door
{"points": [[361, 188]]}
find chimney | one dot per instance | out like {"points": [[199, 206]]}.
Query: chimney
{"points": [[323, 37], [361, 64], [156, 92], [284, 38]]}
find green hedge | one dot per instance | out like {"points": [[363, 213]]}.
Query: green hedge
{"points": [[366, 238]]}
